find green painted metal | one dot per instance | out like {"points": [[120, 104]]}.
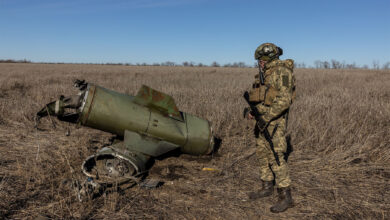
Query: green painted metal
{"points": [[149, 123], [113, 112], [167, 128], [147, 145], [200, 138], [159, 101]]}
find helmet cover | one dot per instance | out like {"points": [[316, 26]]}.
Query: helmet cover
{"points": [[267, 52]]}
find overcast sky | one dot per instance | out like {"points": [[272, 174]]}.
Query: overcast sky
{"points": [[225, 31]]}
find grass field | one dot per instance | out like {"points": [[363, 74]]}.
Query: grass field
{"points": [[339, 127]]}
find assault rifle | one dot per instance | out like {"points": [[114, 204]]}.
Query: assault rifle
{"points": [[259, 121], [261, 75]]}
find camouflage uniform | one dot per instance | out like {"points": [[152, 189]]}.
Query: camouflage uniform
{"points": [[273, 93], [278, 75]]}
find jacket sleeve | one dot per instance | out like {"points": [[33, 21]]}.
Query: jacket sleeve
{"points": [[283, 82]]}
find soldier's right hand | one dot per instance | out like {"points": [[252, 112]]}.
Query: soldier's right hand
{"points": [[247, 113]]}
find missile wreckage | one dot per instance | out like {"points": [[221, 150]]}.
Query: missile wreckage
{"points": [[147, 125]]}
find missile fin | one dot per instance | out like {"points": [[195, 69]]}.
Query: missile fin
{"points": [[159, 101]]}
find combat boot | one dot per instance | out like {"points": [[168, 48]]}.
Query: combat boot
{"points": [[267, 190], [284, 202]]}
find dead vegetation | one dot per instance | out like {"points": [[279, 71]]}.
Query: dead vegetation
{"points": [[339, 126]]}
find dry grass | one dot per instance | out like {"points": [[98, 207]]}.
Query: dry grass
{"points": [[339, 125]]}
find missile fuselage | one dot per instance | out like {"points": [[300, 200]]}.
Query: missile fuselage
{"points": [[146, 125], [114, 112]]}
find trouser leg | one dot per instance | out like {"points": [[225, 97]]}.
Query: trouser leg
{"points": [[264, 156], [266, 174], [282, 178]]}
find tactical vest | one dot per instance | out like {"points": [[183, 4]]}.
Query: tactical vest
{"points": [[267, 93]]}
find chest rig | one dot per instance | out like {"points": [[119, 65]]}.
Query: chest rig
{"points": [[264, 88], [262, 91]]}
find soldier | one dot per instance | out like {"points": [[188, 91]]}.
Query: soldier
{"points": [[273, 93]]}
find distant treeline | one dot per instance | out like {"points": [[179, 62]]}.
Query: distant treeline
{"points": [[186, 64], [334, 64], [318, 64], [15, 61]]}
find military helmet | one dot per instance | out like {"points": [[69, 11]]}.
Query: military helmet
{"points": [[267, 52]]}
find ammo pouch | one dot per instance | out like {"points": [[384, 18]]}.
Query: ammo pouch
{"points": [[262, 94]]}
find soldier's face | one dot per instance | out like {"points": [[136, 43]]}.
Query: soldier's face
{"points": [[262, 63]]}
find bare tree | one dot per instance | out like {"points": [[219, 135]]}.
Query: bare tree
{"points": [[386, 66], [241, 64], [168, 63], [318, 64], [336, 64], [351, 66], [326, 65], [300, 65], [215, 64], [375, 64]]}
